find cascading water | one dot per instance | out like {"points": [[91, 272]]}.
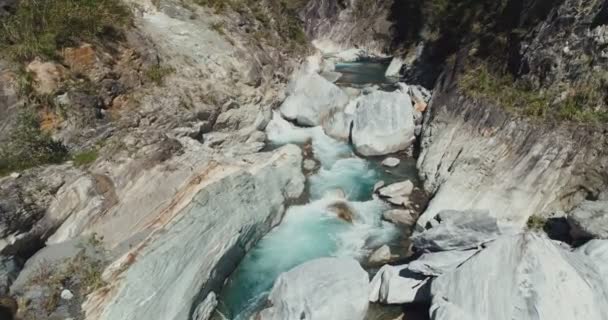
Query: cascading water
{"points": [[340, 219]]}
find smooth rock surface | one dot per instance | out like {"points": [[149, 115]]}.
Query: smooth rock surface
{"points": [[589, 220], [196, 241], [322, 289], [400, 217], [391, 162], [380, 255], [462, 230], [397, 285], [394, 67], [311, 98], [399, 189], [438, 263], [526, 276], [383, 123]]}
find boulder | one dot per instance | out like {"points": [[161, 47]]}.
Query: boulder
{"points": [[397, 285], [383, 123], [589, 220], [597, 251], [400, 189], [9, 270], [381, 255], [524, 276], [438, 263], [47, 75], [462, 230], [326, 288], [391, 162], [337, 125], [311, 98], [394, 68], [400, 217]]}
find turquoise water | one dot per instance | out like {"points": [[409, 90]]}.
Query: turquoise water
{"points": [[362, 72]]}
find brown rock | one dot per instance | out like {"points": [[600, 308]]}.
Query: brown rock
{"points": [[342, 210], [47, 75], [84, 60]]}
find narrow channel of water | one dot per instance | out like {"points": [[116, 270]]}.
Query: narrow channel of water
{"points": [[342, 183]]}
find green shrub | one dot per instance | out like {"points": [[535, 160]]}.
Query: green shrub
{"points": [[28, 146], [86, 157], [157, 73], [536, 223], [41, 27]]}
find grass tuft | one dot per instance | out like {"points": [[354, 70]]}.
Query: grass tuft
{"points": [[42, 27]]}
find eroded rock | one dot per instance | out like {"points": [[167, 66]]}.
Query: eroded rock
{"points": [[589, 220]]}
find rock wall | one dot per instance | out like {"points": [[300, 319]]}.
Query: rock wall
{"points": [[476, 155], [336, 25], [196, 240]]}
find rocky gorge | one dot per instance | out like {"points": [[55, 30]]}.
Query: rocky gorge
{"points": [[215, 162]]}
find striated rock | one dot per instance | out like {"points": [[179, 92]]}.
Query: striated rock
{"points": [[462, 230], [394, 68], [311, 98], [438, 263], [391, 162], [397, 285], [597, 251], [326, 288], [589, 220], [383, 123], [400, 217], [47, 75], [205, 309], [381, 255], [194, 240], [531, 278], [9, 270]]}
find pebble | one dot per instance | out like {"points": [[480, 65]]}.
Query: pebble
{"points": [[391, 162], [67, 294]]}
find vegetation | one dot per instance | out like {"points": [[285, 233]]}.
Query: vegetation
{"points": [[157, 73], [536, 223], [41, 27], [584, 102], [86, 157], [81, 274], [29, 146], [271, 15]]}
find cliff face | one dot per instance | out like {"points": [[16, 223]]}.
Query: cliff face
{"points": [[346, 24], [477, 155]]}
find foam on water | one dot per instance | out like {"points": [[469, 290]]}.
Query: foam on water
{"points": [[312, 230]]}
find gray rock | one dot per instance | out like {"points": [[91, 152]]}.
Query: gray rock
{"points": [[597, 251], [399, 189], [331, 76], [197, 240], [381, 255], [526, 276], [383, 123], [66, 294], [378, 185], [337, 125], [326, 288], [462, 230], [438, 263], [400, 217], [391, 162], [310, 164], [397, 285], [589, 220], [311, 98], [9, 270], [204, 310], [394, 68]]}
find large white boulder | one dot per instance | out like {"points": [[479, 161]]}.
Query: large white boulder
{"points": [[383, 123], [462, 230], [398, 285], [198, 237], [525, 276], [394, 68], [311, 98], [438, 263], [322, 289], [589, 220]]}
